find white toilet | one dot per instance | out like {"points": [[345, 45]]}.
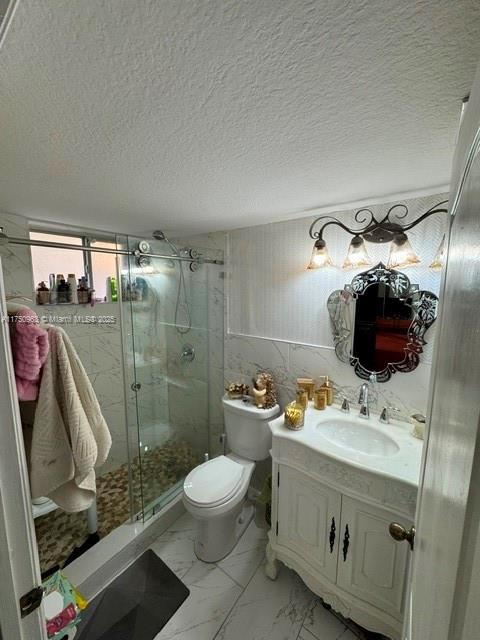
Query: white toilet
{"points": [[215, 491]]}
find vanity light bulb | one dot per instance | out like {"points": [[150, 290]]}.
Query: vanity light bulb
{"points": [[320, 257], [401, 253], [439, 259], [357, 255]]}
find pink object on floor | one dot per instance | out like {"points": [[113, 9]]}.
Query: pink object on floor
{"points": [[29, 349]]}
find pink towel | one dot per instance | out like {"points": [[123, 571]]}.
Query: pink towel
{"points": [[29, 350]]}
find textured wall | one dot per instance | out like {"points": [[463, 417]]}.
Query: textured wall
{"points": [[214, 114]]}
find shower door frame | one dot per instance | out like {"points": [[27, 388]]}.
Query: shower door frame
{"points": [[19, 562]]}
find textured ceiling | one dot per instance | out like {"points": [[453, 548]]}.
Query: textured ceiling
{"points": [[196, 115]]}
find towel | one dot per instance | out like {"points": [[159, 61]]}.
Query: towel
{"points": [[70, 436], [29, 349]]}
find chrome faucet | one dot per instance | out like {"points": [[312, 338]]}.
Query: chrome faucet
{"points": [[363, 401]]}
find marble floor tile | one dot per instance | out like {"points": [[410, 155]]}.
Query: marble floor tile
{"points": [[268, 610], [245, 558], [234, 600], [305, 635], [212, 595], [175, 546], [323, 624]]}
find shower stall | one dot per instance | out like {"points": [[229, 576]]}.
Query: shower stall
{"points": [[154, 356], [172, 330]]}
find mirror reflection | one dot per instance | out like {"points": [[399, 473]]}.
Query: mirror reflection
{"points": [[379, 322]]}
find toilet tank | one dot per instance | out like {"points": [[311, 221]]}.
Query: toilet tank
{"points": [[247, 428]]}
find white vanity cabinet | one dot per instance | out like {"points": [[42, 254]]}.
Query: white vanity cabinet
{"points": [[371, 565], [308, 520], [330, 524]]}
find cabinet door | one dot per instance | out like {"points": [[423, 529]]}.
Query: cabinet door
{"points": [[309, 520], [371, 565]]}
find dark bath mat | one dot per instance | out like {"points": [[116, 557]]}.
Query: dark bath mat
{"points": [[136, 605]]}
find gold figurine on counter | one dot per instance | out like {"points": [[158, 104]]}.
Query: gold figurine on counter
{"points": [[264, 391]]}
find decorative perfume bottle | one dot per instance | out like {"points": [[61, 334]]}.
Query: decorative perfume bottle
{"points": [[320, 399], [302, 398], [327, 385]]}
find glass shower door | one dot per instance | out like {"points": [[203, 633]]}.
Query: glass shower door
{"points": [[165, 304]]}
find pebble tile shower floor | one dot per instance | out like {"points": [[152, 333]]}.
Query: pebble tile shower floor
{"points": [[58, 532]]}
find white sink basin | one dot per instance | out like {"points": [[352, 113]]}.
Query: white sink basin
{"points": [[388, 450], [358, 436]]}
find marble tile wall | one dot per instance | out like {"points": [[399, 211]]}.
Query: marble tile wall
{"points": [[288, 361]]}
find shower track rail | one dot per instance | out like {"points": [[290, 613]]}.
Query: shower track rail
{"points": [[136, 253]]}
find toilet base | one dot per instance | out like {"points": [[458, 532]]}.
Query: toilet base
{"points": [[216, 537]]}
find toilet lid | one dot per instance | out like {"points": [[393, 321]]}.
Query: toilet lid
{"points": [[213, 482]]}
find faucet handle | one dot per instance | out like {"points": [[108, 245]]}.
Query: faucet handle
{"points": [[385, 415], [345, 408]]}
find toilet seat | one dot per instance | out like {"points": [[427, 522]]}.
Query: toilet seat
{"points": [[213, 483]]}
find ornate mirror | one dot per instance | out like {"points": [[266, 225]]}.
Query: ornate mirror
{"points": [[379, 322]]}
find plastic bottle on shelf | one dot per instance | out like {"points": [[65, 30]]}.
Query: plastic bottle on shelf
{"points": [[113, 288], [72, 283], [82, 291], [53, 289]]}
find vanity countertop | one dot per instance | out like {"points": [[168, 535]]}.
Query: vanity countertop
{"points": [[388, 450]]}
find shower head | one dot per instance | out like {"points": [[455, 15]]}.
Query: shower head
{"points": [[159, 235]]}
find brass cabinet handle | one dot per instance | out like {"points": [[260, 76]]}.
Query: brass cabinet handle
{"points": [[399, 533]]}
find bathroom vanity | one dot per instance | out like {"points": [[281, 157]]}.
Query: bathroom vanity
{"points": [[337, 485]]}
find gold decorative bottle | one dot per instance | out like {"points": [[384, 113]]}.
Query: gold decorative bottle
{"points": [[328, 387], [320, 399], [302, 398]]}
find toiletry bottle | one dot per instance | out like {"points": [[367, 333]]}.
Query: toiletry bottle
{"points": [[43, 293], [108, 290], [53, 288], [62, 292], [302, 398], [320, 399], [123, 286], [82, 291], [72, 282], [113, 288], [327, 385]]}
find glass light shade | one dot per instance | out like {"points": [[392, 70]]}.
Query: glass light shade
{"points": [[401, 253], [320, 257], [439, 259], [357, 255]]}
